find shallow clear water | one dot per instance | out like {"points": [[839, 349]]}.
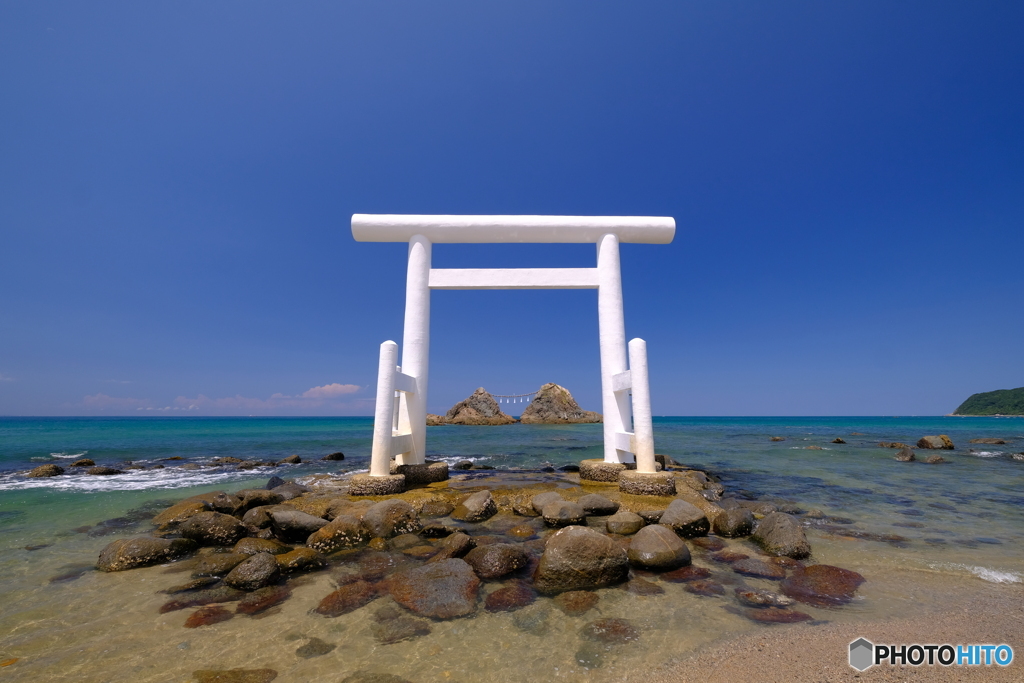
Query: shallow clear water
{"points": [[959, 528]]}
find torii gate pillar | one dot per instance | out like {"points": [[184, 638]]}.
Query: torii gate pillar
{"points": [[400, 421]]}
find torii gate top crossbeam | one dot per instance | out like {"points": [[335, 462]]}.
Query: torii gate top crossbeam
{"points": [[512, 229]]}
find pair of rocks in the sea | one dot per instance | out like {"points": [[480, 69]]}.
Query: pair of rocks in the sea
{"points": [[552, 404]]}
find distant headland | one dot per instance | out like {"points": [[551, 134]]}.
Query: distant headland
{"points": [[999, 402], [551, 404]]}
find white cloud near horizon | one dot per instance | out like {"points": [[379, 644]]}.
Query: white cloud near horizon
{"points": [[326, 398]]}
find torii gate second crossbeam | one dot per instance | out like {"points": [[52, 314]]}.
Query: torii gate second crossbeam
{"points": [[400, 420]]}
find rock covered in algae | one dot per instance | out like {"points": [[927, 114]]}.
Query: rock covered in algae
{"points": [[128, 553], [256, 572], [497, 559], [213, 528], [390, 518], [476, 508]]}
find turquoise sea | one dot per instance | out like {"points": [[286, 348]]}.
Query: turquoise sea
{"points": [[956, 524]]}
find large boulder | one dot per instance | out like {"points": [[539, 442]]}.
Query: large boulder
{"points": [[256, 572], [442, 590], [479, 409], [658, 548], [553, 404], [48, 470], [455, 545], [251, 498], [343, 531], [217, 564], [476, 508], [103, 471], [390, 518], [128, 553], [905, 455], [734, 522], [686, 519], [294, 526], [940, 442], [497, 559], [780, 534], [253, 546], [578, 558], [213, 528]]}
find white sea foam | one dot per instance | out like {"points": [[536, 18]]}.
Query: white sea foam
{"points": [[68, 456], [984, 573], [985, 454], [133, 480]]}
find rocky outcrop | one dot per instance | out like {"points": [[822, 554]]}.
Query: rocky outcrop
{"points": [[553, 404], [940, 442], [578, 558], [48, 470], [479, 409], [435, 420]]}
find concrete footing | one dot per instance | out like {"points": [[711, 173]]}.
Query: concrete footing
{"points": [[368, 485], [647, 483], [417, 475], [599, 470]]}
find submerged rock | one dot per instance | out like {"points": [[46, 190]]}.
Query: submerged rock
{"points": [[638, 586], [690, 573], [510, 598], [370, 677], [780, 534], [553, 404], [752, 597], [442, 590], [611, 631], [263, 599], [709, 543], [775, 615], [705, 587], [143, 551], [658, 548], [103, 471], [578, 558], [476, 508], [88, 462], [822, 585], [217, 564], [455, 545], [202, 597], [234, 675], [347, 598], [204, 616], [576, 603], [300, 559], [759, 569], [685, 519], [314, 647], [479, 409], [393, 626]]}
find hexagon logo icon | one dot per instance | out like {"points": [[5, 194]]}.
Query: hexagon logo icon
{"points": [[862, 654]]}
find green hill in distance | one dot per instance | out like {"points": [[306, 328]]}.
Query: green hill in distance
{"points": [[1000, 402]]}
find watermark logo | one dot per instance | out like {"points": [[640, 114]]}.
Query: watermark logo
{"points": [[864, 654]]}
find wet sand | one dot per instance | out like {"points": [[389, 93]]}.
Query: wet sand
{"points": [[983, 613]]}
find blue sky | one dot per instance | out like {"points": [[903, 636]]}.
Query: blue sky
{"points": [[177, 179]]}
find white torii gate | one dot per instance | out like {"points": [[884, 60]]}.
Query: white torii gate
{"points": [[399, 428]]}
